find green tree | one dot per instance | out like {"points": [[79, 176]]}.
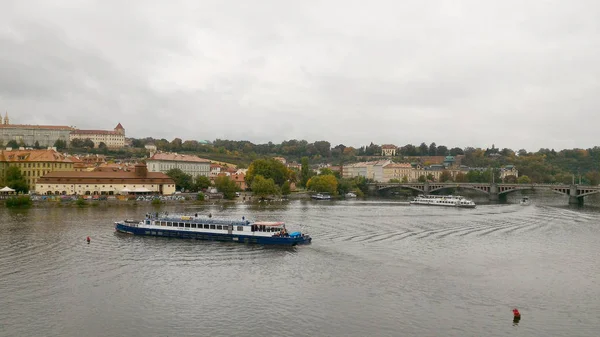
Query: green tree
{"points": [[304, 171], [262, 187], [12, 144], [345, 186], [268, 168], [176, 144], [103, 148], [15, 180], [88, 143], [326, 171], [326, 183], [422, 178], [60, 144], [77, 143], [511, 179], [405, 179], [430, 177], [201, 183], [226, 186], [36, 145], [182, 180], [524, 180], [285, 188]]}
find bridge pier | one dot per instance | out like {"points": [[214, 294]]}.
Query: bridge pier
{"points": [[574, 199], [494, 195], [372, 189]]}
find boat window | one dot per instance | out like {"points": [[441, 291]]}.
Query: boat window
{"points": [[147, 222], [181, 224], [187, 225], [219, 227], [163, 224], [169, 223], [206, 226], [240, 228], [193, 225], [212, 226]]}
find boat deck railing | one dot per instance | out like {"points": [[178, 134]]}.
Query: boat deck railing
{"points": [[193, 218]]}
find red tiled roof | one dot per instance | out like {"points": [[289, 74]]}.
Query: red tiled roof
{"points": [[18, 156], [178, 157], [94, 132], [27, 126], [119, 126], [104, 177], [389, 146]]}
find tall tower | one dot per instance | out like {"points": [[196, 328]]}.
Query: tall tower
{"points": [[6, 118], [119, 129]]}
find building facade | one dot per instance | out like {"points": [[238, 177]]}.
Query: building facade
{"points": [[192, 165], [34, 163], [29, 135], [134, 181], [113, 139], [388, 150], [398, 171]]}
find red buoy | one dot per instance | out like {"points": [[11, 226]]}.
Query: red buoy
{"points": [[516, 313], [88, 239]]}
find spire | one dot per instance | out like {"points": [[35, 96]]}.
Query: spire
{"points": [[6, 118]]}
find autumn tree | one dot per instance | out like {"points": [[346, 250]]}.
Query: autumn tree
{"points": [[445, 176], [325, 183]]}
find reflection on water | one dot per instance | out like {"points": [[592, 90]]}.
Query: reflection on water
{"points": [[375, 268]]}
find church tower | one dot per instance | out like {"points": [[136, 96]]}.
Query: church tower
{"points": [[6, 118]]}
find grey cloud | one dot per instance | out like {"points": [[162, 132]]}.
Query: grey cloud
{"points": [[464, 73]]}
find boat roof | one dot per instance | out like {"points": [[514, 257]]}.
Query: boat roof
{"points": [[269, 223], [217, 221]]}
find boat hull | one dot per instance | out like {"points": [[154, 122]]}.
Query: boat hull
{"points": [[186, 234], [443, 205]]}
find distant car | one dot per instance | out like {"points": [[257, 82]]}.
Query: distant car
{"points": [[237, 194]]}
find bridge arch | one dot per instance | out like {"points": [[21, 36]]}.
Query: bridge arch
{"points": [[410, 187], [466, 187]]}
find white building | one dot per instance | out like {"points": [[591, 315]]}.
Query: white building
{"points": [[105, 182], [113, 139], [192, 165]]}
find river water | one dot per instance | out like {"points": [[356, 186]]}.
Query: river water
{"points": [[375, 268]]}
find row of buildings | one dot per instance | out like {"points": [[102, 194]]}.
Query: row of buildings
{"points": [[51, 172], [47, 135], [386, 170]]}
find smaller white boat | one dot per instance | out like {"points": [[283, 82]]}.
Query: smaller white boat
{"points": [[350, 195], [524, 201], [443, 200], [321, 196]]}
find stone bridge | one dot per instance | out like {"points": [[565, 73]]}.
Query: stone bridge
{"points": [[495, 191]]}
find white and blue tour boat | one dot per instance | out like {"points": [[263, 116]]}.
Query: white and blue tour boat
{"points": [[209, 228], [443, 200]]}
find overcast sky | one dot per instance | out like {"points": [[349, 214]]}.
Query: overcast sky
{"points": [[514, 73]]}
